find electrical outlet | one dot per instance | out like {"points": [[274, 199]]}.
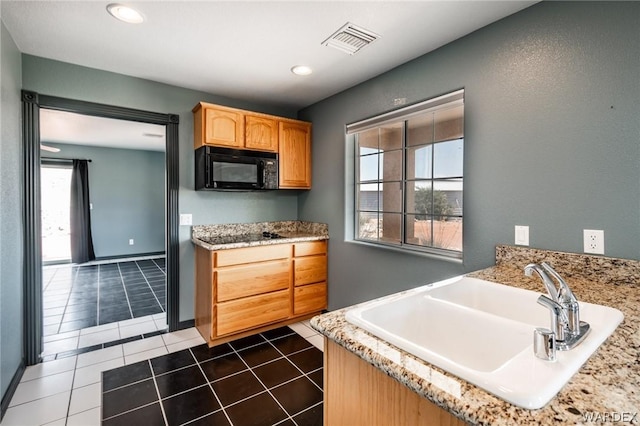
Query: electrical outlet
{"points": [[522, 235], [593, 241], [131, 241]]}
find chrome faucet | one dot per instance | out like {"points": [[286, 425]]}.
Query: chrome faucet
{"points": [[548, 283], [566, 328]]}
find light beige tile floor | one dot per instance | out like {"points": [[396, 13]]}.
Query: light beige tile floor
{"points": [[91, 336], [68, 391]]}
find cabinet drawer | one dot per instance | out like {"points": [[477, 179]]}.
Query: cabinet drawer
{"points": [[310, 298], [310, 248], [311, 269], [234, 282], [249, 312], [252, 254]]}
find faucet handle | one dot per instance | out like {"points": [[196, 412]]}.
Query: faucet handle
{"points": [[568, 300], [544, 344], [564, 292]]}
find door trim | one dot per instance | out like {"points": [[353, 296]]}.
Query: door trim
{"points": [[31, 104]]}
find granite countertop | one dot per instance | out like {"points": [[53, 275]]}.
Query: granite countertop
{"points": [[609, 382], [238, 235]]}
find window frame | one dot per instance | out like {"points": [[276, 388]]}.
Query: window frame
{"points": [[401, 117]]}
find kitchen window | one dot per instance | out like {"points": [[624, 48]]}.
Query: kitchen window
{"points": [[409, 177]]}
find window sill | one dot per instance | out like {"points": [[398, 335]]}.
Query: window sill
{"points": [[405, 250]]}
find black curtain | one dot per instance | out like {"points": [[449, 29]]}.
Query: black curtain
{"points": [[81, 242]]}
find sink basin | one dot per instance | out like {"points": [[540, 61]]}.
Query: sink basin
{"points": [[482, 332]]}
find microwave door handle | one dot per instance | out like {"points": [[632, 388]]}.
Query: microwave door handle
{"points": [[262, 173]]}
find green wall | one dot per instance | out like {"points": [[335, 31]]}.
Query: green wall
{"points": [[552, 140], [11, 295], [126, 189], [71, 81]]}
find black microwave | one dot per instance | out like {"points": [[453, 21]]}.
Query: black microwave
{"points": [[227, 169]]}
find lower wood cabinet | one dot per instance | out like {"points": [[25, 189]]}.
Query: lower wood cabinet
{"points": [[310, 278], [245, 290], [358, 394]]}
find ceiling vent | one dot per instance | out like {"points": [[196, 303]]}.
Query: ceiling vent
{"points": [[350, 38]]}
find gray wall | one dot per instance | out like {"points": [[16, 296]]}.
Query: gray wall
{"points": [[10, 213], [71, 81], [126, 189], [551, 130], [552, 140]]}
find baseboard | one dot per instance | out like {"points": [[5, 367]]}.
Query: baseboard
{"points": [[6, 398], [186, 324], [107, 259], [132, 255]]}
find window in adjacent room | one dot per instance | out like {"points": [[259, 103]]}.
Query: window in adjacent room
{"points": [[55, 181], [409, 177]]}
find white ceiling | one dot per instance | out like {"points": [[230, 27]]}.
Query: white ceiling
{"points": [[240, 49], [77, 129], [245, 49]]}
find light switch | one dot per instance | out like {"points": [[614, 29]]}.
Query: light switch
{"points": [[522, 235], [186, 219]]}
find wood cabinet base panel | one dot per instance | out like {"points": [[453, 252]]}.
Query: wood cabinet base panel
{"points": [[358, 394], [225, 339]]}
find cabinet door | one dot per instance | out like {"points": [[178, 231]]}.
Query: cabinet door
{"points": [[224, 128], [295, 155], [309, 298], [261, 133]]}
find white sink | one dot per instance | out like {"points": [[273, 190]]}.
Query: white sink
{"points": [[482, 332]]}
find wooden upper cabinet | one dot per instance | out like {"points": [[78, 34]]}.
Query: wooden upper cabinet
{"points": [[224, 128], [261, 133], [295, 155]]}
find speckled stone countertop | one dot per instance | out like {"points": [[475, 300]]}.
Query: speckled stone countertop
{"points": [[609, 382], [238, 235]]}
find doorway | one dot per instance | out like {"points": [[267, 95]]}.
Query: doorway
{"points": [[104, 281], [33, 274]]}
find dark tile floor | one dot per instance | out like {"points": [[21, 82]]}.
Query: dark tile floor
{"points": [[77, 297], [272, 378]]}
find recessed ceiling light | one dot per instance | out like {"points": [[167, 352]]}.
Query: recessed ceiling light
{"points": [[301, 70], [125, 13]]}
